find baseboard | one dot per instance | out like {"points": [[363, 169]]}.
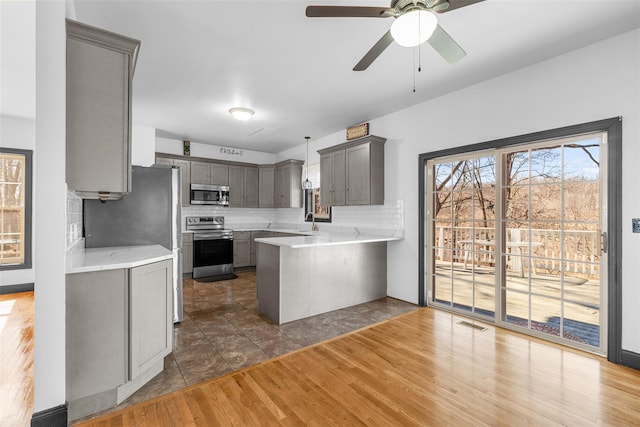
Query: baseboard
{"points": [[52, 417], [631, 359], [14, 289]]}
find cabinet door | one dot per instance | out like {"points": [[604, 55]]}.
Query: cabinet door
{"points": [[241, 249], [250, 187], [266, 189], [339, 173], [326, 179], [164, 161], [150, 315], [98, 115], [96, 346], [358, 175], [219, 174], [282, 186], [187, 253], [200, 172], [236, 186], [185, 180]]}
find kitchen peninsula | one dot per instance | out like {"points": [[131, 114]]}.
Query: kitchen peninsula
{"points": [[302, 276]]}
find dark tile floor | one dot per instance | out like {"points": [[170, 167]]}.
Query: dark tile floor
{"points": [[222, 332]]}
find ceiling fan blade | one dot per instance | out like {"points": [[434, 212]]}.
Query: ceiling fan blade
{"points": [[447, 47], [374, 52], [347, 12], [453, 5]]}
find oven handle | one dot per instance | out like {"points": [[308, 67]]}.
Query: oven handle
{"points": [[212, 236]]}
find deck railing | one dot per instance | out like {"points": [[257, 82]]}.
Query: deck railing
{"points": [[569, 251]]}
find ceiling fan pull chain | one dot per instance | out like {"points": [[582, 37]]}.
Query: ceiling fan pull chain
{"points": [[414, 69]]}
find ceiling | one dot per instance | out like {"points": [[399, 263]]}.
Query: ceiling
{"points": [[200, 58]]}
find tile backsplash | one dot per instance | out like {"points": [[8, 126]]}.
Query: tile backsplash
{"points": [[74, 218], [389, 216]]}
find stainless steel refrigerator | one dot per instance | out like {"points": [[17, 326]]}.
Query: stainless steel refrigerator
{"points": [[149, 214]]}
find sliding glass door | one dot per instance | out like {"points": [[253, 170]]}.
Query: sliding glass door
{"points": [[514, 236]]}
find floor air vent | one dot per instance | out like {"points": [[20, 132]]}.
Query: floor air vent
{"points": [[471, 325]]}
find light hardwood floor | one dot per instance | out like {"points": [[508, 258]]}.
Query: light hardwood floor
{"points": [[16, 359], [421, 368]]}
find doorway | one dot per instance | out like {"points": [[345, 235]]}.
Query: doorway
{"points": [[518, 235]]}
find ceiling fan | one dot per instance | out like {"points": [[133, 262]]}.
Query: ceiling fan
{"points": [[415, 23]]}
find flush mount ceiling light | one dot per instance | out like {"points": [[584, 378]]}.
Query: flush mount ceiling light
{"points": [[242, 114], [413, 28]]}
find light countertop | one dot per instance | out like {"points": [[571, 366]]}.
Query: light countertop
{"points": [[113, 258], [325, 240]]}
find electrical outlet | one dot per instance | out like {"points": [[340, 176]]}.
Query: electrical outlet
{"points": [[635, 225]]}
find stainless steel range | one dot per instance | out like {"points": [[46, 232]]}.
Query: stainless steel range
{"points": [[212, 246]]}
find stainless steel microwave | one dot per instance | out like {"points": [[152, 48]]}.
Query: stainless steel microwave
{"points": [[206, 194]]}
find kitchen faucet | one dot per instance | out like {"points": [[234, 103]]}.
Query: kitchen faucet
{"points": [[314, 227]]}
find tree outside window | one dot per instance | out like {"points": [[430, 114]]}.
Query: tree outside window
{"points": [[15, 171]]}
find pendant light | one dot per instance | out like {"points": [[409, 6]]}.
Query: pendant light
{"points": [[307, 185]]}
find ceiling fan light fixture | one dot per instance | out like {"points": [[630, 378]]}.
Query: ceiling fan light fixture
{"points": [[413, 28], [240, 113]]}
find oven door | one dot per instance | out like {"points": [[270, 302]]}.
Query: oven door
{"points": [[212, 257]]}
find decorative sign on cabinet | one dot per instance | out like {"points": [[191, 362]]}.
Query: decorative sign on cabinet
{"points": [[100, 66]]}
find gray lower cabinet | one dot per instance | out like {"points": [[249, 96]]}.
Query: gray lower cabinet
{"points": [[150, 316], [266, 186], [185, 176], [187, 253], [119, 328], [353, 172], [254, 246], [241, 248], [100, 66]]}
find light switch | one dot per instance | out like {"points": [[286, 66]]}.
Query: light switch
{"points": [[635, 225]]}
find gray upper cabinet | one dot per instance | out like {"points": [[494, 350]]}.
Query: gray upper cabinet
{"points": [[250, 187], [243, 186], [353, 172], [185, 176], [288, 184], [266, 186], [200, 172], [236, 186], [219, 174], [333, 178], [209, 173], [100, 67]]}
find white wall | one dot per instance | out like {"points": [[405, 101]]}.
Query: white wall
{"points": [[143, 146], [18, 132], [17, 94], [597, 82], [174, 146], [49, 206]]}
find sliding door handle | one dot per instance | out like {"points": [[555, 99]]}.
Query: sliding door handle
{"points": [[605, 242]]}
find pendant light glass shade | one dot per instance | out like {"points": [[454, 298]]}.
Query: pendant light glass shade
{"points": [[307, 185], [413, 28]]}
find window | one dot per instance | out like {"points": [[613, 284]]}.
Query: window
{"points": [[15, 208]]}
